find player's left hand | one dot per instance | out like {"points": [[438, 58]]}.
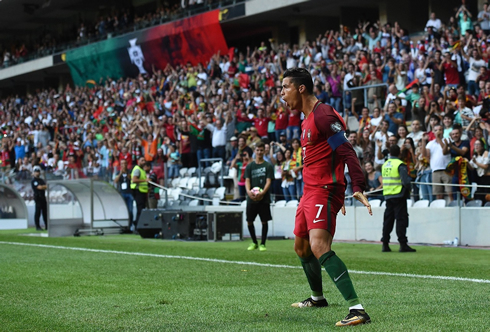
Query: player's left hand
{"points": [[361, 198], [343, 209]]}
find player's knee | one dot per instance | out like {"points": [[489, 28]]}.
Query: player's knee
{"points": [[250, 223], [302, 251], [319, 248]]}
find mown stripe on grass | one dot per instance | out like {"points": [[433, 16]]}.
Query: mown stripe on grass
{"points": [[214, 260]]}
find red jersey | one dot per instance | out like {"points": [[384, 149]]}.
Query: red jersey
{"points": [[282, 119], [451, 72], [126, 157], [294, 119], [262, 125], [326, 150]]}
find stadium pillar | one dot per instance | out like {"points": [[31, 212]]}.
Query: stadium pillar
{"points": [[383, 13]]}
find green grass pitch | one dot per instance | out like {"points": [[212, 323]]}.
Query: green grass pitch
{"points": [[131, 284]]}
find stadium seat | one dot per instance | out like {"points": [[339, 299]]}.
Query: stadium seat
{"points": [[352, 123], [206, 171], [201, 192], [375, 202], [220, 192], [184, 203], [192, 192], [191, 171], [216, 167], [183, 192], [438, 203], [244, 203], [193, 182], [210, 192], [175, 182], [292, 202], [487, 204], [409, 203], [455, 203], [383, 204], [183, 172], [421, 204], [280, 203], [194, 202], [226, 170], [176, 193], [183, 182], [474, 203]]}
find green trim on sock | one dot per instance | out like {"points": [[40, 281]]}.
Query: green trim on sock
{"points": [[313, 271], [337, 271]]}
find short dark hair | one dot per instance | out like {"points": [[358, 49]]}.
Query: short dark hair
{"points": [[260, 145], [300, 76], [394, 150]]}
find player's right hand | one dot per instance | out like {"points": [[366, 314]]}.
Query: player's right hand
{"points": [[361, 198]]}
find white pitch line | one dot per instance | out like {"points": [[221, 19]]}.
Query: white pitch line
{"points": [[407, 275]]}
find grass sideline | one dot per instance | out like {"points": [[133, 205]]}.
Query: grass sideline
{"points": [[52, 289]]}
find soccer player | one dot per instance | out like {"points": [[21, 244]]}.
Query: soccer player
{"points": [[326, 150], [258, 173]]}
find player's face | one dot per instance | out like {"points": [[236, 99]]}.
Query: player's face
{"points": [[290, 93]]}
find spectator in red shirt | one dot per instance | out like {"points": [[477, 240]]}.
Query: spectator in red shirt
{"points": [[450, 69], [261, 123], [125, 155], [294, 125]]}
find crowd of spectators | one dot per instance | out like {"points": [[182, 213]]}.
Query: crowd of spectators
{"points": [[223, 108], [119, 21]]}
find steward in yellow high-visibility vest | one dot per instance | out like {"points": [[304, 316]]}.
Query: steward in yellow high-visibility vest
{"points": [[396, 190], [135, 184], [139, 184]]}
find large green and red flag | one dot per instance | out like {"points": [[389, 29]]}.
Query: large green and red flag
{"points": [[191, 40]]}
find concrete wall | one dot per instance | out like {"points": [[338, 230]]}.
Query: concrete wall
{"points": [[426, 225]]}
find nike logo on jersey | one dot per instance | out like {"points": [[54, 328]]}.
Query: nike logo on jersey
{"points": [[335, 279], [318, 220]]}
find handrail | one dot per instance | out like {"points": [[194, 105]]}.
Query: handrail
{"points": [[365, 87]]}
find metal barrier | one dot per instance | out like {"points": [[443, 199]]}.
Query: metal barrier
{"points": [[365, 87]]}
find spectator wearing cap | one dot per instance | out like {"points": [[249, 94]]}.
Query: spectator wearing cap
{"points": [[39, 188], [233, 144], [253, 138]]}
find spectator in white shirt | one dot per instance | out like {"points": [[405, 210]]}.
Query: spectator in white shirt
{"points": [[416, 133], [219, 139], [433, 23], [434, 152]]}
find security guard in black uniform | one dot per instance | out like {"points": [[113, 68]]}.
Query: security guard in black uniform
{"points": [[396, 190], [39, 187]]}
